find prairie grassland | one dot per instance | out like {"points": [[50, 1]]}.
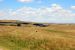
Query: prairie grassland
{"points": [[53, 37]]}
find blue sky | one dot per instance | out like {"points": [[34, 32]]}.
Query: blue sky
{"points": [[43, 3], [56, 11]]}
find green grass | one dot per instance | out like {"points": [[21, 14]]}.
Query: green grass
{"points": [[26, 38], [18, 44], [14, 43]]}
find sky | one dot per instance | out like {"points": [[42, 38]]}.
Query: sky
{"points": [[48, 11]]}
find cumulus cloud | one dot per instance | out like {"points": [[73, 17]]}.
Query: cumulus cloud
{"points": [[73, 7], [55, 13], [2, 13], [25, 0]]}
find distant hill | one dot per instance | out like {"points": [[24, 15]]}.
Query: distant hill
{"points": [[8, 20]]}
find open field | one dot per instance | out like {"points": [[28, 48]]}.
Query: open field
{"points": [[53, 37]]}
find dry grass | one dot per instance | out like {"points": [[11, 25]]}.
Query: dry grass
{"points": [[53, 37]]}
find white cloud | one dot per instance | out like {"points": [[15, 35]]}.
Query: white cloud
{"points": [[56, 6], [55, 13], [2, 13], [73, 7], [25, 0]]}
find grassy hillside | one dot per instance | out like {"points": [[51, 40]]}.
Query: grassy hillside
{"points": [[53, 37]]}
